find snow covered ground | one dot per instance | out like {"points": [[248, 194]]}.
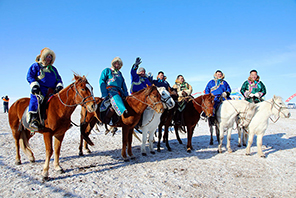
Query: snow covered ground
{"points": [[202, 173]]}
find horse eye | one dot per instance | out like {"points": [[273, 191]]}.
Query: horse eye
{"points": [[83, 89]]}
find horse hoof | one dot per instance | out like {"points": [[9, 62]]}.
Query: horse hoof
{"points": [[61, 171], [180, 142], [88, 151], [126, 160], [144, 154], [188, 150], [211, 143], [45, 179], [169, 149], [219, 151], [248, 154], [152, 152], [263, 156], [239, 145], [81, 154], [244, 144], [132, 157], [158, 150], [32, 161], [229, 151], [18, 163]]}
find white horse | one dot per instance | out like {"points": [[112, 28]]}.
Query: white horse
{"points": [[259, 123], [227, 113], [151, 120]]}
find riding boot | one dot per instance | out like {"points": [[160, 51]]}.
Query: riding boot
{"points": [[34, 123], [177, 118], [108, 115]]}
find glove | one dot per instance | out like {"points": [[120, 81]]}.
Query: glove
{"points": [[224, 95], [149, 74], [247, 94], [251, 95], [137, 63], [35, 90], [58, 89], [257, 95]]}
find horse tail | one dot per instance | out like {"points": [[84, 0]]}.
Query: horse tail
{"points": [[24, 141]]}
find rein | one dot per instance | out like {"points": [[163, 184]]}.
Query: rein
{"points": [[203, 103], [151, 106], [277, 107], [77, 93]]}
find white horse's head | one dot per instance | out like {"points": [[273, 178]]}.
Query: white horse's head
{"points": [[279, 108], [166, 98]]}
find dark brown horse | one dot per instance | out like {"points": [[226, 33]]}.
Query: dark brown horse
{"points": [[56, 123], [191, 116], [135, 105]]}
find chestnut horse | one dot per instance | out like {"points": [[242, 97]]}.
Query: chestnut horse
{"points": [[191, 116], [56, 123], [135, 105]]}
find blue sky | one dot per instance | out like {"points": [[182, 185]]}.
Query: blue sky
{"points": [[193, 38]]}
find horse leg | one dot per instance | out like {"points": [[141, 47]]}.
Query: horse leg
{"points": [[159, 137], [48, 153], [125, 132], [245, 137], [80, 146], [16, 135], [239, 132], [57, 150], [166, 134], [250, 142], [151, 142], [259, 145], [228, 140], [86, 147], [189, 139], [129, 144], [177, 134], [221, 138], [217, 133], [144, 140], [211, 132]]}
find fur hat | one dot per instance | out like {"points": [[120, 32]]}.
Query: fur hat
{"points": [[116, 59], [141, 69], [215, 74], [42, 56]]}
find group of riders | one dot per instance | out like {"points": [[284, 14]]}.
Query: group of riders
{"points": [[45, 80]]}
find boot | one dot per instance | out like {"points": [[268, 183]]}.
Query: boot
{"points": [[177, 118], [34, 123], [108, 115]]}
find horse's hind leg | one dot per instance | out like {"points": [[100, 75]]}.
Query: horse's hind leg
{"points": [[151, 142], [144, 140], [177, 134], [217, 133], [250, 142], [159, 137], [166, 134], [228, 140], [259, 145], [129, 143], [24, 137], [16, 135], [211, 131], [48, 153]]}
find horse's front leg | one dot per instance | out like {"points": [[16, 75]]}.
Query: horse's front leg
{"points": [[211, 132], [239, 132], [57, 149], [166, 134], [159, 137], [217, 133], [228, 140], [221, 129], [259, 145], [48, 153], [144, 140], [250, 142], [245, 137], [151, 133], [189, 138], [177, 134], [129, 143], [124, 143]]}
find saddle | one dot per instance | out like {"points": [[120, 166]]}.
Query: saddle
{"points": [[41, 112], [107, 111]]}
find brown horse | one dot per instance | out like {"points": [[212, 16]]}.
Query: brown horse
{"points": [[135, 104], [58, 121], [191, 116]]}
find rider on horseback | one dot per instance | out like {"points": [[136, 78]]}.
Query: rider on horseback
{"points": [[252, 89], [43, 77], [220, 89], [161, 81], [113, 89], [184, 91]]}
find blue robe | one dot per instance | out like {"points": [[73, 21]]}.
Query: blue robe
{"points": [[217, 87], [47, 77], [138, 82], [161, 83], [113, 86]]}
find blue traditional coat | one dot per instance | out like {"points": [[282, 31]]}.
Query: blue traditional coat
{"points": [[138, 82], [161, 83], [112, 85], [45, 77], [217, 87]]}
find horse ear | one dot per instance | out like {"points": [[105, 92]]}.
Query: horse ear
{"points": [[75, 77]]}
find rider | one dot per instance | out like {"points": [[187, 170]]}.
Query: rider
{"points": [[113, 89], [161, 81], [220, 89], [139, 78], [43, 78], [252, 89], [184, 90]]}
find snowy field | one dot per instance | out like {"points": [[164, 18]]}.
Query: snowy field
{"points": [[202, 173]]}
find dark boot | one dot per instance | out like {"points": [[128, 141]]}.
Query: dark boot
{"points": [[177, 118], [108, 115], [34, 122]]}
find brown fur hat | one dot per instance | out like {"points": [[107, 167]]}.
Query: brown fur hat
{"points": [[42, 56], [116, 59]]}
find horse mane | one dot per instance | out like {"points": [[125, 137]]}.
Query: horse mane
{"points": [[146, 91], [78, 77]]}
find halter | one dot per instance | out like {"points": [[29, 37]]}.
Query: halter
{"points": [[277, 107], [203, 103], [154, 103], [77, 93]]}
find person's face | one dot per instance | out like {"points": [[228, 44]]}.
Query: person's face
{"points": [[48, 58], [142, 73], [253, 75], [181, 79], [160, 76], [219, 75], [116, 65]]}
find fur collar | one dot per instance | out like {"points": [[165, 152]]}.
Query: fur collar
{"points": [[251, 80], [42, 56], [117, 59]]}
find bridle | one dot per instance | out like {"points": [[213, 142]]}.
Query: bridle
{"points": [[202, 105], [277, 107], [77, 93], [145, 102]]}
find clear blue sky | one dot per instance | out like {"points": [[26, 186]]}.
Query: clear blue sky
{"points": [[193, 38]]}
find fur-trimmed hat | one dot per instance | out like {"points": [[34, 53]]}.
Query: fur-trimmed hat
{"points": [[116, 59], [223, 75], [41, 58], [140, 70]]}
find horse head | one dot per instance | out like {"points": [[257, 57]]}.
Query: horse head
{"points": [[154, 98], [208, 104], [84, 93], [166, 98], [279, 107]]}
